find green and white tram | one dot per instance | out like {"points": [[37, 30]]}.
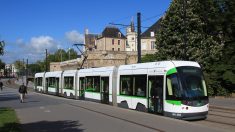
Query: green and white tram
{"points": [[172, 88], [39, 82]]}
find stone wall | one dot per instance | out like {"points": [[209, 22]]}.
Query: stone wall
{"points": [[100, 59]]}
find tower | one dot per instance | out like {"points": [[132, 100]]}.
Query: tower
{"points": [[131, 35]]}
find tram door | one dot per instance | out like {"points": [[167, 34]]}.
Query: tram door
{"points": [[47, 83], [82, 85], [105, 90], [57, 86], [155, 94]]}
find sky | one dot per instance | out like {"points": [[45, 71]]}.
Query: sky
{"points": [[28, 27]]}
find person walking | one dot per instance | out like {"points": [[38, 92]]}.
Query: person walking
{"points": [[1, 85], [22, 91]]}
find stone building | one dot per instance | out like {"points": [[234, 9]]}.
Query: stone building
{"points": [[111, 39], [148, 38]]}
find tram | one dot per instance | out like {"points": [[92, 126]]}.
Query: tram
{"points": [[170, 88]]}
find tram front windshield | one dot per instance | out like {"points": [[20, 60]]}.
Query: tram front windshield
{"points": [[192, 82]]}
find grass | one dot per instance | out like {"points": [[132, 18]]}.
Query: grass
{"points": [[8, 120]]}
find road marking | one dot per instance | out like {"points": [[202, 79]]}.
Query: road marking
{"points": [[42, 107], [47, 111]]}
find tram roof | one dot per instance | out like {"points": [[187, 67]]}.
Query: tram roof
{"points": [[53, 74], [41, 74], [159, 64], [100, 69]]}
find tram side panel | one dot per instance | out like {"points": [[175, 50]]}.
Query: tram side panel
{"points": [[69, 84]]}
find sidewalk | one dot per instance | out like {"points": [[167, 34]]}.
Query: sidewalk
{"points": [[223, 102]]}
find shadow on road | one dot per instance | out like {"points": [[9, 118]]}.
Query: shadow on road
{"points": [[45, 126], [8, 98]]}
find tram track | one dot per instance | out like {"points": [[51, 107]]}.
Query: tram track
{"points": [[126, 120], [220, 117]]}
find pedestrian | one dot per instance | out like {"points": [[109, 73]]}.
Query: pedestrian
{"points": [[1, 85], [22, 91]]}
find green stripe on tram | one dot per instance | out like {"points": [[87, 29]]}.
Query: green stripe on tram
{"points": [[171, 71], [174, 102], [132, 96]]}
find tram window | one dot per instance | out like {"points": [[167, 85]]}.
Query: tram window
{"points": [[105, 84], [126, 83], [96, 84], [173, 90], [93, 84], [68, 82], [39, 81], [140, 85], [82, 83], [134, 85], [52, 82]]}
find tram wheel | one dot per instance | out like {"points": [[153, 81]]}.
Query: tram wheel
{"points": [[141, 107], [124, 104]]}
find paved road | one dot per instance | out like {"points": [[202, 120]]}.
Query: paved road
{"points": [[48, 113]]}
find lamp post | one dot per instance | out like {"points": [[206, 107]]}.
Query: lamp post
{"points": [[69, 53]]}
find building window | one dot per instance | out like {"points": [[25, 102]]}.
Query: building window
{"points": [[118, 49], [152, 45], [133, 38], [119, 34], [118, 42], [112, 49], [112, 41]]}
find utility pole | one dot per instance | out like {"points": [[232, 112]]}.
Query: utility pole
{"points": [[46, 60], [27, 72], [139, 36]]}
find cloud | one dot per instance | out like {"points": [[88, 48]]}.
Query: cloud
{"points": [[39, 44], [34, 49], [74, 37]]}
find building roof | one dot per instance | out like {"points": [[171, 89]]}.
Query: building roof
{"points": [[154, 28], [112, 32]]}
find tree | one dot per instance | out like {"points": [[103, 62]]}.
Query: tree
{"points": [[2, 45], [148, 58], [2, 65], [20, 66], [72, 54], [201, 31], [184, 33]]}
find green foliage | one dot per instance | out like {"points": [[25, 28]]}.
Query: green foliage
{"points": [[2, 45], [202, 31], [2, 64], [8, 120], [148, 58], [184, 33]]}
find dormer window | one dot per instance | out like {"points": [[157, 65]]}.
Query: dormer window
{"points": [[152, 34], [119, 34]]}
